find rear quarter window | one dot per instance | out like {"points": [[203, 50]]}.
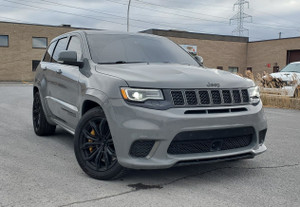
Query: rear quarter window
{"points": [[49, 52]]}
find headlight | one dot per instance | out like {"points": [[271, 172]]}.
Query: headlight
{"points": [[254, 94], [141, 95]]}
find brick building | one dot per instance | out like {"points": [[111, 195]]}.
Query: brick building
{"points": [[23, 45]]}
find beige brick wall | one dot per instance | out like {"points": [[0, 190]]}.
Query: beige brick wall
{"points": [[260, 54], [218, 53], [16, 60]]}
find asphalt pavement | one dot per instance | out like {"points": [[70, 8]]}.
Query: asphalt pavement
{"points": [[43, 171]]}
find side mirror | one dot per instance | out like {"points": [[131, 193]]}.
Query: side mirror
{"points": [[69, 58], [199, 59]]}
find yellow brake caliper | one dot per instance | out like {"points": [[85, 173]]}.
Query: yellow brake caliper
{"points": [[92, 133]]}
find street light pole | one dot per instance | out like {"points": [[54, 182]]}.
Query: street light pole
{"points": [[128, 15]]}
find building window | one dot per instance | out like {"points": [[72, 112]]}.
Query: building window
{"points": [[220, 67], [233, 69], [3, 40], [35, 63], [39, 42]]}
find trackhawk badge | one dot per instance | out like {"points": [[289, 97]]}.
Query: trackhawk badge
{"points": [[216, 85]]}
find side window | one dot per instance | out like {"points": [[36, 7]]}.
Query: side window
{"points": [[75, 45], [61, 45], [49, 52]]}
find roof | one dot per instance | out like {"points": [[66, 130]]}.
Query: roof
{"points": [[192, 35]]}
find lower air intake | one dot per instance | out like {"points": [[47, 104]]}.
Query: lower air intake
{"points": [[141, 148]]}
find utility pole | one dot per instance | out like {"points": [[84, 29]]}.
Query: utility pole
{"points": [[128, 15], [240, 17]]}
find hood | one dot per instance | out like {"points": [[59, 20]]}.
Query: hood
{"points": [[173, 76], [286, 76]]}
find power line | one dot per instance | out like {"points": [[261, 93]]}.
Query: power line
{"points": [[163, 24], [193, 18], [118, 16], [240, 18], [184, 10], [68, 13], [167, 12]]}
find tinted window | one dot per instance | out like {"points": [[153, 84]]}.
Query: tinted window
{"points": [[75, 45], [61, 45], [294, 67], [48, 54], [39, 42], [3, 40], [125, 48]]}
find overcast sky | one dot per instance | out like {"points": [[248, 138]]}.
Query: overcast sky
{"points": [[269, 17]]}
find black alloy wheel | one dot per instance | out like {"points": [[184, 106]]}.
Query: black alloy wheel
{"points": [[40, 124], [94, 147]]}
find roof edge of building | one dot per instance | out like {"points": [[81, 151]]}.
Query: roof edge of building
{"points": [[193, 35], [45, 25], [286, 38]]}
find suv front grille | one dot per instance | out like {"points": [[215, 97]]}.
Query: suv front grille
{"points": [[212, 97]]}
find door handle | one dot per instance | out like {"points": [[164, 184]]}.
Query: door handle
{"points": [[45, 68], [59, 71]]}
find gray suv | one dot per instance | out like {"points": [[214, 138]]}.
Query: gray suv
{"points": [[139, 101]]}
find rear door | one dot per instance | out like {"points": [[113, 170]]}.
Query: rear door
{"points": [[66, 94], [53, 85], [48, 75]]}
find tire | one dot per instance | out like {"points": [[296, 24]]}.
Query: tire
{"points": [[40, 124], [94, 147]]}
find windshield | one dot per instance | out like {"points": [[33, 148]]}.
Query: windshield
{"points": [[294, 67], [128, 48]]}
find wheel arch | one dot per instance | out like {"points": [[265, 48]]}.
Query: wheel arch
{"points": [[88, 105], [93, 98], [35, 89]]}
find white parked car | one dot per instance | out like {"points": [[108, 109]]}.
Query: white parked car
{"points": [[286, 82]]}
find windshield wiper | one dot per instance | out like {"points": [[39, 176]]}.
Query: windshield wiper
{"points": [[121, 62]]}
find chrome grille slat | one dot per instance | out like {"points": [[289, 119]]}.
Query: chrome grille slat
{"points": [[209, 97]]}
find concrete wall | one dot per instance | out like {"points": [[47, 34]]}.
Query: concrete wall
{"points": [[262, 53], [16, 60]]}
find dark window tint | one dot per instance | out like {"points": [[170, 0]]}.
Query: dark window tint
{"points": [[39, 42], [61, 45], [48, 54], [124, 48], [75, 45], [3, 40], [35, 63]]}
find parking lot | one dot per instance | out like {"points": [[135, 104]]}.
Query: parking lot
{"points": [[43, 171]]}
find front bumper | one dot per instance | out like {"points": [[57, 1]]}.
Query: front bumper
{"points": [[130, 123]]}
